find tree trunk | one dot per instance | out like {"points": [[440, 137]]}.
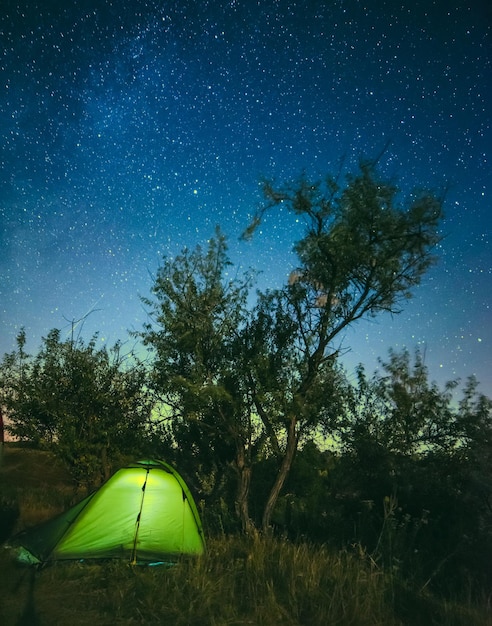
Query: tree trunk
{"points": [[290, 452], [243, 484]]}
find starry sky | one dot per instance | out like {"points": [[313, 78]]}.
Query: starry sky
{"points": [[130, 129]]}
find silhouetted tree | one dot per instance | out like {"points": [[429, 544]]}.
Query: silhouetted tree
{"points": [[360, 255], [415, 464], [86, 404], [199, 373]]}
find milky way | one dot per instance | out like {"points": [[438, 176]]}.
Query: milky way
{"points": [[130, 129]]}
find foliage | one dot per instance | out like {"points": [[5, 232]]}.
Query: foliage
{"points": [[411, 481], [78, 401]]}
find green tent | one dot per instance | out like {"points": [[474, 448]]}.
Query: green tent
{"points": [[144, 513]]}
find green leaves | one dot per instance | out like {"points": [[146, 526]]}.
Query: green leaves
{"points": [[84, 403], [198, 314]]}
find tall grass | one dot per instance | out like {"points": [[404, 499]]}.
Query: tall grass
{"points": [[238, 581], [267, 581]]}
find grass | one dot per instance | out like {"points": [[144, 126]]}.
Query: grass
{"points": [[239, 581]]}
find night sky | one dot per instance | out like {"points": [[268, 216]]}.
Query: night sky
{"points": [[130, 129]]}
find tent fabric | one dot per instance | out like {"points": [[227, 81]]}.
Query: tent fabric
{"points": [[144, 512]]}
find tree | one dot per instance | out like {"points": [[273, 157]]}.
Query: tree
{"points": [[85, 404], [196, 334], [401, 410], [360, 255], [425, 452]]}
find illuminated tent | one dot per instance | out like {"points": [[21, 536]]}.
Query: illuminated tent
{"points": [[143, 513]]}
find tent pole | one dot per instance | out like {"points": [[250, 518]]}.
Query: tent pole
{"points": [[134, 551]]}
